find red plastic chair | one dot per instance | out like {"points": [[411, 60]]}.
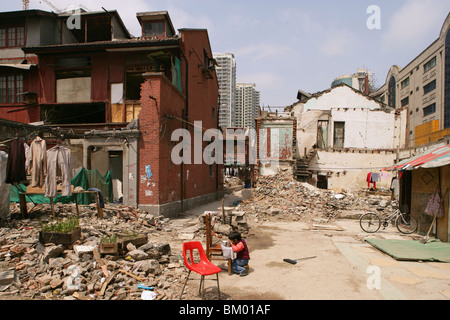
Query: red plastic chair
{"points": [[204, 267]]}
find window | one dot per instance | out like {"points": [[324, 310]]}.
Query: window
{"points": [[322, 134], [12, 37], [3, 37], [73, 79], [152, 29], [405, 102], [429, 87], [11, 86], [429, 110], [447, 82], [405, 83], [429, 65], [391, 92], [339, 132]]}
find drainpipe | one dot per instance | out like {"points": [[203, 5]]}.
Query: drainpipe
{"points": [[186, 118]]}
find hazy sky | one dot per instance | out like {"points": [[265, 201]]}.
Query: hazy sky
{"points": [[286, 45]]}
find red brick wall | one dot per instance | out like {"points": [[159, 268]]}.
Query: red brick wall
{"points": [[155, 145], [203, 95]]}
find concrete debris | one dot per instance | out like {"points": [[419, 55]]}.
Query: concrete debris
{"points": [[282, 197], [31, 270]]}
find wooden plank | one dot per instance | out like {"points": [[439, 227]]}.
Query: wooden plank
{"points": [[106, 283], [131, 275]]}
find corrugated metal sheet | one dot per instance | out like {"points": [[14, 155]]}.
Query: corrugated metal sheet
{"points": [[433, 158]]}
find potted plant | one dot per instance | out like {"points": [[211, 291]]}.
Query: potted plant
{"points": [[108, 245], [65, 231], [133, 238]]}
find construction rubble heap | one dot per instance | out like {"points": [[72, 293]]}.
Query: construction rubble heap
{"points": [[146, 269], [282, 196], [151, 268]]}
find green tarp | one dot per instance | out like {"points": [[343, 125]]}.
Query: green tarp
{"points": [[413, 250], [85, 179]]}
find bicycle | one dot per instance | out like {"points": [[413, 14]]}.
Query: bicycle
{"points": [[371, 222]]}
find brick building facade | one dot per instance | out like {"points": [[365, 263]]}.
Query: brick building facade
{"points": [[125, 96]]}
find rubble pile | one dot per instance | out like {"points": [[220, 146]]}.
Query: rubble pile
{"points": [[30, 269], [282, 196], [231, 182]]}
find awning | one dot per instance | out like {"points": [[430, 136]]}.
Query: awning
{"points": [[433, 158], [18, 66]]}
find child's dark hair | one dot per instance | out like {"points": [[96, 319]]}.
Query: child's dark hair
{"points": [[234, 235]]}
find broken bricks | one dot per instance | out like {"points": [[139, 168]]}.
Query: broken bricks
{"points": [[33, 270], [282, 197]]}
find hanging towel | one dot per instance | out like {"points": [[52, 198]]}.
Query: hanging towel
{"points": [[227, 252], [375, 177], [385, 175], [434, 202]]}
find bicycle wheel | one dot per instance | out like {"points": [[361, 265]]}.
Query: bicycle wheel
{"points": [[406, 224], [370, 222]]}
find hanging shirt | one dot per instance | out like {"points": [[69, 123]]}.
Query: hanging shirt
{"points": [[5, 213], [58, 156], [37, 162], [15, 170]]}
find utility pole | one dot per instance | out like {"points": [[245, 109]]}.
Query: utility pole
{"points": [[26, 4]]}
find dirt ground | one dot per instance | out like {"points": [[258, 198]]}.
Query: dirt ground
{"points": [[339, 270]]}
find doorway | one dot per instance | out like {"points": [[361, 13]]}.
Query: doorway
{"points": [[115, 166]]}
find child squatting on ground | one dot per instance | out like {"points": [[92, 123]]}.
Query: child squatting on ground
{"points": [[242, 254]]}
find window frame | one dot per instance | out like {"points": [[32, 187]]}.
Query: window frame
{"points": [[405, 102], [160, 23], [11, 84], [17, 33], [405, 83], [433, 108], [426, 88], [429, 65]]}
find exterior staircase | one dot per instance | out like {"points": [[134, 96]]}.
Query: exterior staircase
{"points": [[301, 170]]}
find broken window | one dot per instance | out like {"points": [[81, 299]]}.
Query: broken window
{"points": [[153, 29], [117, 102], [91, 28], [339, 132], [322, 134], [73, 113], [73, 79]]}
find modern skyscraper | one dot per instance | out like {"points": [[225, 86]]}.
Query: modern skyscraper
{"points": [[226, 75], [247, 103]]}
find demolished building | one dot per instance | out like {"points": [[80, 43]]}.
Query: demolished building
{"points": [[121, 96], [343, 136]]}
